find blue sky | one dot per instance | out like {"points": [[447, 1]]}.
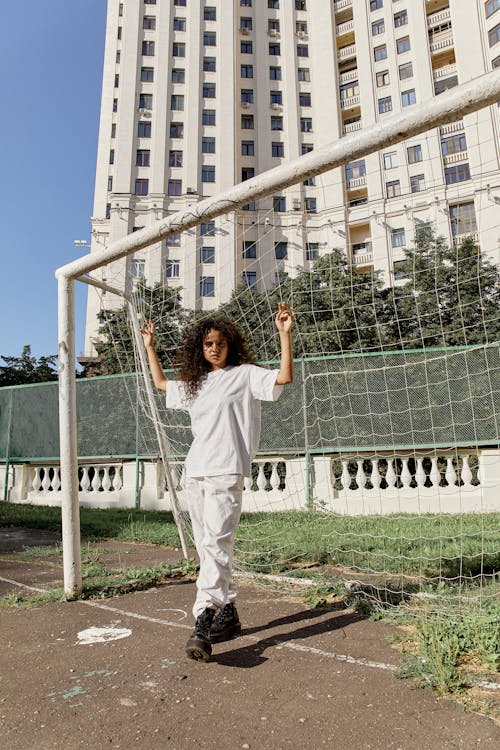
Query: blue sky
{"points": [[51, 56]]}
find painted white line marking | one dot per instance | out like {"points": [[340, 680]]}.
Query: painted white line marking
{"points": [[134, 615], [25, 586], [102, 635]]}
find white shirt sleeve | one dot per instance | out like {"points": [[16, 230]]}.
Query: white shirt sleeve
{"points": [[263, 384], [175, 395]]}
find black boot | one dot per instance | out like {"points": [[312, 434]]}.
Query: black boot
{"points": [[198, 646], [226, 624]]}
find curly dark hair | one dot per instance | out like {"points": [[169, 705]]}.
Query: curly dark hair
{"points": [[191, 365]]}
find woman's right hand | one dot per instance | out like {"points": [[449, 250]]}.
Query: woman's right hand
{"points": [[148, 334]]}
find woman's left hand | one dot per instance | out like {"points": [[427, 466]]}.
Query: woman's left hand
{"points": [[284, 318]]}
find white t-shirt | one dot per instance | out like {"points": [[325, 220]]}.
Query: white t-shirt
{"points": [[225, 418]]}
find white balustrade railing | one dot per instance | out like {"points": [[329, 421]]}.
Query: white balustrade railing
{"points": [[356, 182], [444, 481], [339, 5], [351, 127], [452, 127], [444, 71], [437, 46], [349, 102], [455, 158], [344, 28], [345, 52], [350, 75], [436, 18]]}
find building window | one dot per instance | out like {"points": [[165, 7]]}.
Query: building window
{"points": [[310, 205], [247, 148], [208, 117], [408, 98], [137, 268], [300, 4], [306, 148], [175, 159], [209, 13], [378, 27], [454, 144], [247, 173], [376, 4], [444, 84], [145, 101], [246, 23], [147, 75], [417, 183], [112, 156], [118, 56], [306, 125], [405, 71], [209, 39], [113, 130], [312, 250], [179, 49], [179, 24], [347, 90], [246, 3], [142, 157], [301, 26], [391, 160], [303, 74], [172, 269], [148, 49], [494, 35], [207, 229], [207, 286], [246, 71], [209, 65], [208, 173], [207, 254], [207, 145], [302, 50], [273, 24], [382, 78], [107, 214], [117, 80], [400, 19], [281, 250], [174, 240], [491, 6], [144, 130], [278, 149], [247, 122], [247, 96], [398, 238], [414, 153], [174, 187], [403, 44], [393, 188], [279, 204], [457, 173], [149, 2], [274, 73], [177, 102], [305, 99], [110, 184], [178, 75], [252, 206], [177, 130], [385, 104], [274, 4], [398, 269], [115, 105], [354, 169], [276, 123], [180, 3], [463, 219], [310, 182], [141, 186], [246, 47], [250, 279], [380, 53], [274, 48], [276, 97], [208, 91], [249, 249]]}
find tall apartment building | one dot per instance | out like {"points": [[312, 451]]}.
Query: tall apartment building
{"points": [[199, 95]]}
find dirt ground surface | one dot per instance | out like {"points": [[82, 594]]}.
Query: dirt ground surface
{"points": [[112, 673]]}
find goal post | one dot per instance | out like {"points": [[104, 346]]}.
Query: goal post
{"points": [[463, 99]]}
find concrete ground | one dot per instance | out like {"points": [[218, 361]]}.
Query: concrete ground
{"points": [[112, 673]]}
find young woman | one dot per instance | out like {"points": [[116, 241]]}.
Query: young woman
{"points": [[221, 388]]}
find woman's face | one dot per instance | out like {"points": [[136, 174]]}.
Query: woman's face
{"points": [[215, 349]]}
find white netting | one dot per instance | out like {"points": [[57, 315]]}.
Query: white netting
{"points": [[381, 461]]}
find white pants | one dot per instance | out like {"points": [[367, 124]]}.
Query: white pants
{"points": [[215, 509]]}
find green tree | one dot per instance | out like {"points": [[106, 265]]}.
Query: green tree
{"points": [[450, 297], [27, 369]]}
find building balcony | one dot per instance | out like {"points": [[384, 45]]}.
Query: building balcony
{"points": [[444, 42], [340, 5], [452, 127], [350, 102], [344, 53], [344, 28], [434, 19], [362, 254], [351, 127], [459, 238], [356, 182], [351, 75], [455, 158], [444, 72]]}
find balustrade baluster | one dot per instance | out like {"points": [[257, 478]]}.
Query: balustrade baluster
{"points": [[466, 473], [405, 473], [345, 477], [85, 480], [56, 479], [420, 474], [375, 478], [46, 479], [450, 474], [106, 480], [275, 479], [390, 476], [36, 478], [247, 484], [435, 474], [96, 480], [261, 478], [360, 475], [117, 479]]}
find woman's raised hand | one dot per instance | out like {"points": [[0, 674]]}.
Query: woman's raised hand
{"points": [[284, 318], [148, 334]]}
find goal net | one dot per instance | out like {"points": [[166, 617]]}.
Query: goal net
{"points": [[379, 466]]}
